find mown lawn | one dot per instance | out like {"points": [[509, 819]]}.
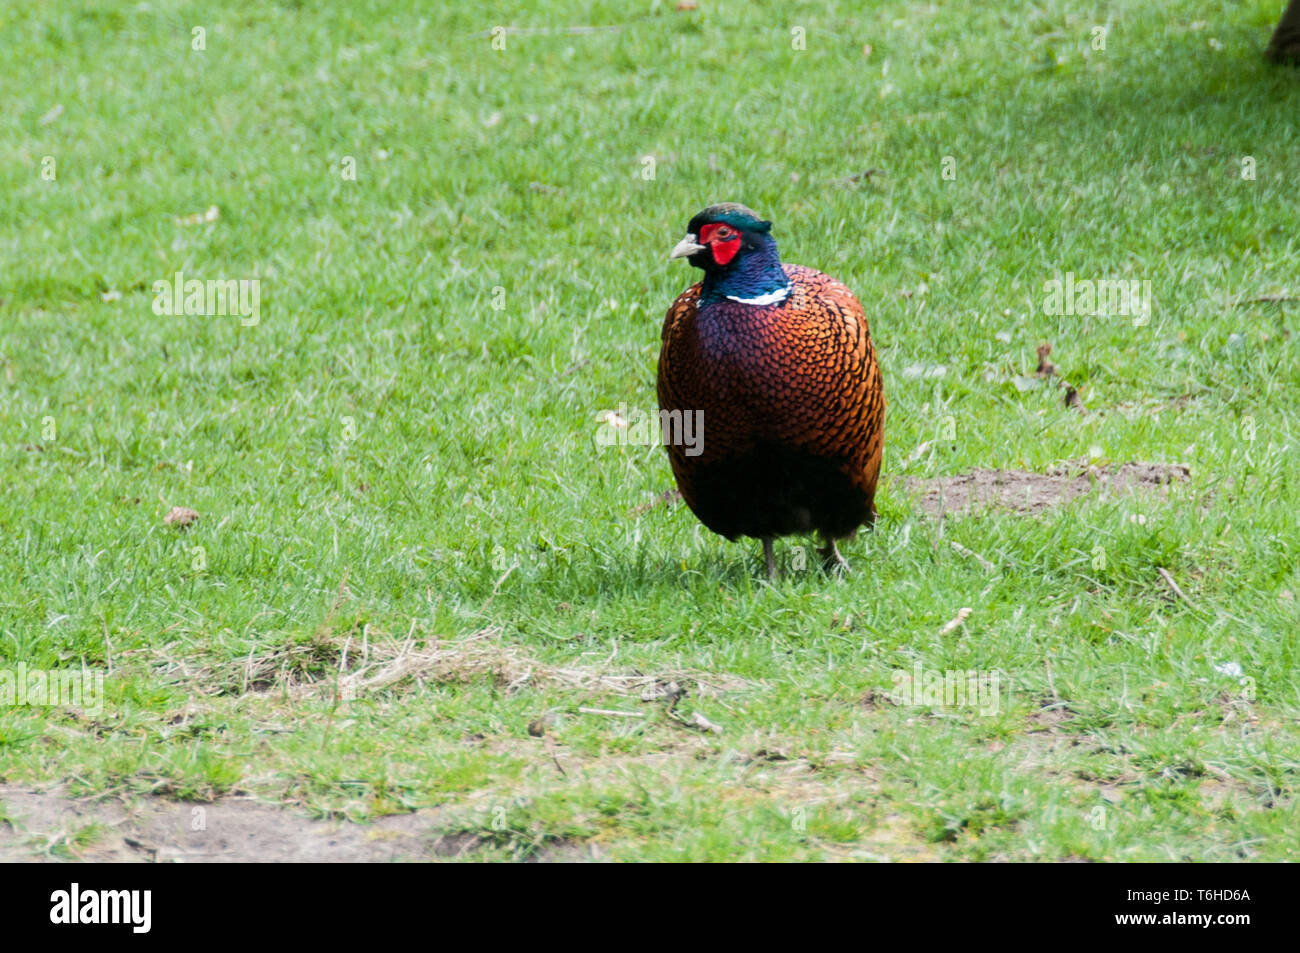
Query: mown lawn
{"points": [[402, 453]]}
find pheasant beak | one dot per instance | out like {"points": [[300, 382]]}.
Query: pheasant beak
{"points": [[685, 248]]}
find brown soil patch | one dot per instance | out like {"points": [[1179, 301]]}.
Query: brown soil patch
{"points": [[1049, 717], [45, 825], [1024, 492]]}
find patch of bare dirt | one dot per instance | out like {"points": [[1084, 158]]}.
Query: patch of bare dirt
{"points": [[1050, 717], [51, 825], [1025, 492]]}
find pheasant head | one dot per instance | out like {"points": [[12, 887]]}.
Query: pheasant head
{"points": [[736, 251]]}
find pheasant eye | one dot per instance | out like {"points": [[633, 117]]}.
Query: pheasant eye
{"points": [[724, 233]]}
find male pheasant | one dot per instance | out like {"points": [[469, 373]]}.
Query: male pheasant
{"points": [[779, 360]]}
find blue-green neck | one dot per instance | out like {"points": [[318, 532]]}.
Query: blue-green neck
{"points": [[755, 276]]}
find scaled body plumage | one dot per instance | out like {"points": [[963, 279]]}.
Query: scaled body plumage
{"points": [[780, 360]]}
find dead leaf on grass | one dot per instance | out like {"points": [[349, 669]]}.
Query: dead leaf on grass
{"points": [[180, 517], [1045, 367]]}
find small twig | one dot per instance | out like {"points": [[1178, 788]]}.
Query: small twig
{"points": [[550, 747], [962, 614], [611, 713], [248, 671], [1217, 771], [340, 596], [696, 722], [919, 452], [504, 576], [108, 649], [859, 176], [699, 721], [141, 845], [973, 555], [1174, 586]]}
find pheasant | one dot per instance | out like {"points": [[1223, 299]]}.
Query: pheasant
{"points": [[779, 361]]}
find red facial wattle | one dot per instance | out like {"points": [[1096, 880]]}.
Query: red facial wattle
{"points": [[722, 240]]}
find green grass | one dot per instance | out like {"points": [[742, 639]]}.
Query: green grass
{"points": [[388, 455]]}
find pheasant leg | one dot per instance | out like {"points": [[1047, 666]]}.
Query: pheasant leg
{"points": [[832, 561]]}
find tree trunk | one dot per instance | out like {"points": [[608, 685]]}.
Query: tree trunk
{"points": [[1285, 45]]}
